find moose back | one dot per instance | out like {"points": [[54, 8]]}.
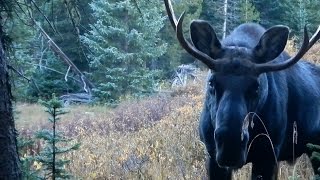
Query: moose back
{"points": [[261, 105]]}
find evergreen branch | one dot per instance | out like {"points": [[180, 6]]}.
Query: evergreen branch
{"points": [[71, 17], [45, 17], [136, 5], [17, 14]]}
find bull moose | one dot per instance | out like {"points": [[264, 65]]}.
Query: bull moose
{"points": [[251, 76]]}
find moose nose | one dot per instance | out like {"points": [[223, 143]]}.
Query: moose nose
{"points": [[230, 146]]}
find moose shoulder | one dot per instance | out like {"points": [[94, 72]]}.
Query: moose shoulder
{"points": [[253, 81]]}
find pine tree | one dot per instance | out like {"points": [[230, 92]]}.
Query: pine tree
{"points": [[223, 15], [10, 167], [314, 150], [124, 43], [271, 12], [212, 12], [300, 13], [50, 157], [248, 12], [27, 161]]}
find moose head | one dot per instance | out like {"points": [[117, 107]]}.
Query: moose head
{"points": [[238, 83]]}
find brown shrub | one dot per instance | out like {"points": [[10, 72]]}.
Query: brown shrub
{"points": [[313, 55]]}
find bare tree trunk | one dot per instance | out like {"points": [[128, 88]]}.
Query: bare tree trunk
{"points": [[225, 12], [9, 159]]}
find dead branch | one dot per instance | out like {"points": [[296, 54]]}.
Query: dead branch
{"points": [[53, 46], [19, 73]]}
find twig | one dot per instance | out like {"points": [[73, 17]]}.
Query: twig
{"points": [[66, 76], [45, 17], [19, 73], [50, 69], [266, 134]]}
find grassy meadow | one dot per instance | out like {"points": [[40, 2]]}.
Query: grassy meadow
{"points": [[153, 138]]}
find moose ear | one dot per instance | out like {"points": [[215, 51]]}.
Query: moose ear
{"points": [[271, 44], [204, 38]]}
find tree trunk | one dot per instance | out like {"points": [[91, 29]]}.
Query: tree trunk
{"points": [[9, 159], [225, 12]]}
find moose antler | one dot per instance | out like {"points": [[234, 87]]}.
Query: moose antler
{"points": [[177, 26], [306, 45], [256, 68]]}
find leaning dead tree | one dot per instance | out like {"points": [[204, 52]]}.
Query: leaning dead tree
{"points": [[87, 85]]}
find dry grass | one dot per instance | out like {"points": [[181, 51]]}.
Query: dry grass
{"points": [[155, 138], [313, 55]]}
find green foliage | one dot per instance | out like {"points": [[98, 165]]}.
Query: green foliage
{"points": [[125, 52], [53, 165], [213, 11], [175, 55], [31, 54], [6, 6], [315, 158], [20, 53], [299, 13], [248, 12], [49, 77], [124, 43], [271, 12], [27, 161], [68, 20]]}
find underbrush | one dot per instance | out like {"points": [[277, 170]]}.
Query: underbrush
{"points": [[154, 138], [313, 55]]}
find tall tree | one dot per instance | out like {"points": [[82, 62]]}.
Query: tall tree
{"points": [[224, 15], [9, 159], [213, 11], [248, 12], [124, 44], [300, 13], [271, 12]]}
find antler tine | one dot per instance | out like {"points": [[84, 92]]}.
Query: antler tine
{"points": [[315, 37], [177, 25], [171, 15], [306, 45], [207, 60]]}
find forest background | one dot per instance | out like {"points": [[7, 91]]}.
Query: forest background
{"points": [[124, 48]]}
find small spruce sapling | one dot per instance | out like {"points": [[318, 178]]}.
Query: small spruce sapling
{"points": [[29, 170], [54, 143], [314, 150]]}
